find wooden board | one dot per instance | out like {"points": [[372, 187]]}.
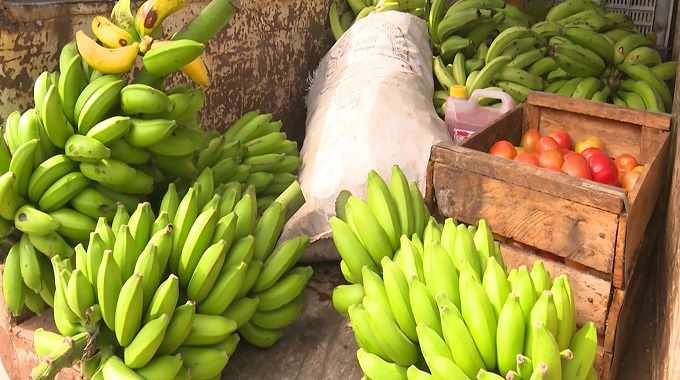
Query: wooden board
{"points": [[666, 347], [585, 234], [606, 111], [320, 345], [590, 292]]}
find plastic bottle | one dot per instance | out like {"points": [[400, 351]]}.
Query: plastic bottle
{"points": [[465, 116]]}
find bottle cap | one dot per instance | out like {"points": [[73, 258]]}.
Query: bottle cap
{"points": [[458, 91]]}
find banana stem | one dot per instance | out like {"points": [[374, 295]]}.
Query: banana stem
{"points": [[292, 199], [208, 22], [61, 357]]}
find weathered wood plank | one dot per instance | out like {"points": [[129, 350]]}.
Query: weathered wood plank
{"points": [[601, 110], [590, 293], [644, 200], [623, 138], [557, 185], [667, 344], [583, 234]]}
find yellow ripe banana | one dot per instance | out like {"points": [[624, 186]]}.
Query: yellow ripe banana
{"points": [[110, 34], [197, 72], [151, 14], [106, 60]]}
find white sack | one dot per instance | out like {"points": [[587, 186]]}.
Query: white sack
{"points": [[369, 107]]}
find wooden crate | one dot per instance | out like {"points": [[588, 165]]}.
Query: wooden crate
{"points": [[596, 225]]}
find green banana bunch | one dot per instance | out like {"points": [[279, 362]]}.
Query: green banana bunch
{"points": [[446, 297]]}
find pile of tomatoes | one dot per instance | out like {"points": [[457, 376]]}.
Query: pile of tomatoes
{"points": [[586, 160]]}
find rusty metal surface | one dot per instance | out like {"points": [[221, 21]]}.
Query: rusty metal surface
{"points": [[262, 59]]}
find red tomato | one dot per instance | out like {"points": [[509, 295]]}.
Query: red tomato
{"points": [[626, 162], [529, 140], [629, 179], [503, 148], [550, 256], [546, 143], [562, 138], [550, 158], [565, 151], [603, 169], [574, 264], [577, 166], [527, 158], [590, 151]]}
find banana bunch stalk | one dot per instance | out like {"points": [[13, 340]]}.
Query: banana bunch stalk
{"points": [[440, 304], [173, 291], [579, 50]]}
